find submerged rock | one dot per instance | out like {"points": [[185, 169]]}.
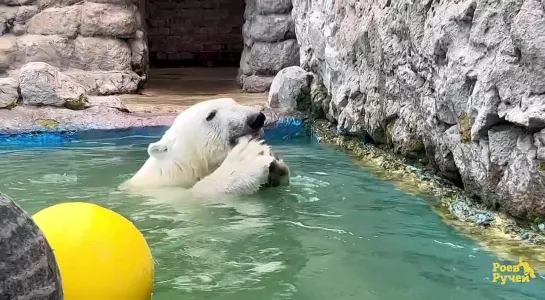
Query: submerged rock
{"points": [[465, 212]]}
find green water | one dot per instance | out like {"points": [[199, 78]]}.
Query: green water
{"points": [[335, 233]]}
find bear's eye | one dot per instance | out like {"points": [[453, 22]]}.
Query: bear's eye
{"points": [[211, 115]]}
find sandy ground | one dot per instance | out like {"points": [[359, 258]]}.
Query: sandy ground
{"points": [[173, 90]]}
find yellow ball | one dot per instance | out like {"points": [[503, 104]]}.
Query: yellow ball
{"points": [[101, 255]]}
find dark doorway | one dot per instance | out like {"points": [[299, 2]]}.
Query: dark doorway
{"points": [[194, 33]]}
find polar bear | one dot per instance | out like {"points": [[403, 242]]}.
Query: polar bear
{"points": [[249, 166], [214, 143]]}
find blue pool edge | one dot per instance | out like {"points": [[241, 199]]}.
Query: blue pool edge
{"points": [[283, 128]]}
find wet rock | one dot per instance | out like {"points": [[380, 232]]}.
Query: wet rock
{"points": [[25, 118], [320, 98], [102, 19], [256, 83], [23, 247], [106, 82], [290, 89], [63, 21], [463, 210], [8, 92], [350, 119], [269, 28], [44, 85], [403, 136], [78, 103]]}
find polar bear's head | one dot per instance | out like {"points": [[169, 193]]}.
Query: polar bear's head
{"points": [[201, 136]]}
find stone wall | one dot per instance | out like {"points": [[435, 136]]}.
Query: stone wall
{"points": [[98, 44], [459, 83], [185, 30], [269, 43]]}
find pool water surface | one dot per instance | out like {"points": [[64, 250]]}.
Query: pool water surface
{"points": [[335, 233]]}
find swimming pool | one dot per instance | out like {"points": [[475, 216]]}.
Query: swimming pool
{"points": [[335, 233]]}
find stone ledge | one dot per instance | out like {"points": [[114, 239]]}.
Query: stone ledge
{"points": [[23, 119], [100, 115]]}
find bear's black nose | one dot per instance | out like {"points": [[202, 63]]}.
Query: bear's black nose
{"points": [[257, 121]]}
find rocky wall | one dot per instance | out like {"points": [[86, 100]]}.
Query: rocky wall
{"points": [[269, 43], [98, 46], [458, 84], [181, 30]]}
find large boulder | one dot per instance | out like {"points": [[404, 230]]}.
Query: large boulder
{"points": [[106, 82], [28, 269], [103, 19], [44, 85], [52, 49], [63, 21], [101, 53], [290, 89], [269, 28], [269, 58]]}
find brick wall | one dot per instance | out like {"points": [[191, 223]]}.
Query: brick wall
{"points": [[190, 31]]}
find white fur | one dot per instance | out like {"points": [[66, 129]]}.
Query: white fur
{"points": [[243, 171], [193, 147]]}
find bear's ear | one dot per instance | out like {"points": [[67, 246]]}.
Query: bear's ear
{"points": [[158, 149]]}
